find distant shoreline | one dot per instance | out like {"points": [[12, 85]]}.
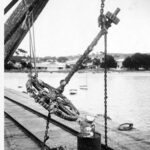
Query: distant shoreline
{"points": [[99, 70]]}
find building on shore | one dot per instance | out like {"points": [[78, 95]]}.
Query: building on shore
{"points": [[119, 62], [50, 66], [71, 63]]}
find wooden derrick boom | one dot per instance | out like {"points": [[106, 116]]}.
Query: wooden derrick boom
{"points": [[13, 32]]}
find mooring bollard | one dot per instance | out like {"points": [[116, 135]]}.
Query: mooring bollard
{"points": [[88, 139], [89, 143]]}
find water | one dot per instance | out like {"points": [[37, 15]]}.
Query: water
{"points": [[128, 93]]}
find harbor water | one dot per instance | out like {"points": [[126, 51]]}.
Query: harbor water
{"points": [[128, 93]]}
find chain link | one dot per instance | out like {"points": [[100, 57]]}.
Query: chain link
{"points": [[105, 90], [102, 7], [46, 137], [101, 17], [101, 22]]}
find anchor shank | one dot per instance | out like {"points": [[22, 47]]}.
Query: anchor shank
{"points": [[82, 58]]}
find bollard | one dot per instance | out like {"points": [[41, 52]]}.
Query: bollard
{"points": [[89, 143]]}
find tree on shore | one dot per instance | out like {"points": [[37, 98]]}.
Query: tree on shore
{"points": [[127, 63], [62, 59], [9, 66], [137, 61], [96, 62], [110, 62], [20, 60]]}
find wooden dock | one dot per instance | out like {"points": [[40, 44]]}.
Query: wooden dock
{"points": [[117, 140]]}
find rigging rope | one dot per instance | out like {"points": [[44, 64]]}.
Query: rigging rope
{"points": [[32, 42], [29, 24], [30, 46], [34, 49]]}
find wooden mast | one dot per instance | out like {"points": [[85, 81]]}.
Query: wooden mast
{"points": [[13, 32]]}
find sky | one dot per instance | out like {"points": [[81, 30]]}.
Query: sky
{"points": [[67, 27]]}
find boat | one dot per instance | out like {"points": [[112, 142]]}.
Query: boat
{"points": [[19, 86], [83, 87], [73, 91]]}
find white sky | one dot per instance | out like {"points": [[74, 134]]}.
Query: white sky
{"points": [[67, 27]]}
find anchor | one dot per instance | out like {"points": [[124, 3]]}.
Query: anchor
{"points": [[55, 94]]}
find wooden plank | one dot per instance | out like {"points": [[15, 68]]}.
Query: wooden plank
{"points": [[10, 5], [37, 125], [16, 139]]}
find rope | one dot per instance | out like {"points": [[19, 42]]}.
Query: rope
{"points": [[33, 42], [125, 127], [30, 45], [29, 20]]}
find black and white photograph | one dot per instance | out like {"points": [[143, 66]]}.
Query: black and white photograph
{"points": [[75, 75]]}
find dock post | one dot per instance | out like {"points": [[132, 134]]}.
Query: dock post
{"points": [[89, 143]]}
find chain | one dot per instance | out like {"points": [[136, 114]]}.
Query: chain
{"points": [[46, 137], [101, 22], [102, 7], [105, 89], [101, 17]]}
